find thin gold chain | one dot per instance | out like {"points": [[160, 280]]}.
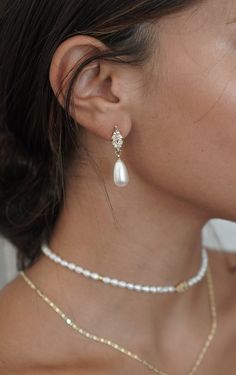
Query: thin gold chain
{"points": [[115, 346]]}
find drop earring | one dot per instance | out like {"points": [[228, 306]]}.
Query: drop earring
{"points": [[120, 172]]}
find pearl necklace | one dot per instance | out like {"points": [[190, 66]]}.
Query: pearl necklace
{"points": [[180, 287]]}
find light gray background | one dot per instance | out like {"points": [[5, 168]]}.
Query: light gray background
{"points": [[225, 230]]}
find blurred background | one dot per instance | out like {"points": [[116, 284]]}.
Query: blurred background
{"points": [[217, 234]]}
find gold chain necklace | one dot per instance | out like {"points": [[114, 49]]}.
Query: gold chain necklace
{"points": [[115, 346]]}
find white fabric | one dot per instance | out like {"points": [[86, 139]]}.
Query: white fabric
{"points": [[7, 262]]}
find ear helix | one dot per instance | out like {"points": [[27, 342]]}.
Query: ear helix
{"points": [[120, 172]]}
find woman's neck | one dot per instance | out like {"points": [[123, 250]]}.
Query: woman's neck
{"points": [[146, 236], [154, 240]]}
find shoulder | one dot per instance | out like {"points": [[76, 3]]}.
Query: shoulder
{"points": [[24, 326], [13, 323], [34, 339]]}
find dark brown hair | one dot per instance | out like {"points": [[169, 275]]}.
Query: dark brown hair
{"points": [[38, 138]]}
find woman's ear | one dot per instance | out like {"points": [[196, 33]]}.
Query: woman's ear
{"points": [[100, 96]]}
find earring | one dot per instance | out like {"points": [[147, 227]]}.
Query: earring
{"points": [[120, 173]]}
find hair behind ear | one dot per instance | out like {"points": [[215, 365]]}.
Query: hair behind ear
{"points": [[38, 137]]}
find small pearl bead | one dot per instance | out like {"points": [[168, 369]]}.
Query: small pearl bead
{"points": [[106, 280], [57, 259], [153, 289], [78, 269], [130, 286], [46, 251], [114, 282], [86, 273], [166, 290], [146, 289], [94, 276], [122, 284], [72, 266]]}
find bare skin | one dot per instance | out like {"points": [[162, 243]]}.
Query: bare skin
{"points": [[36, 341], [177, 114]]}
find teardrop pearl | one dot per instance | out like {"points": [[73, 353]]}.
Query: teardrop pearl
{"points": [[120, 174]]}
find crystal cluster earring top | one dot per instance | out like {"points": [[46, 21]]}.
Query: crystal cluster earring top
{"points": [[117, 139], [120, 173]]}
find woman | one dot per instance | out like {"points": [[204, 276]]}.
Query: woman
{"points": [[117, 146]]}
